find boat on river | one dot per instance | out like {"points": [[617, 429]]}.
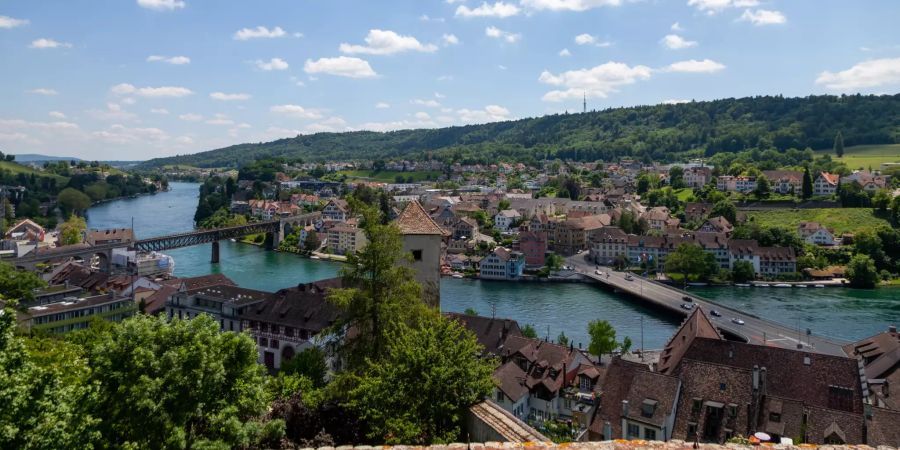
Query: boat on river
{"points": [[742, 284], [782, 285]]}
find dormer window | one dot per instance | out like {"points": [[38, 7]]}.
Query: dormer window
{"points": [[648, 407]]}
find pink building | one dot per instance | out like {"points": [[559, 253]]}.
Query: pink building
{"points": [[533, 244]]}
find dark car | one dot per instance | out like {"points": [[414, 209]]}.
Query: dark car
{"points": [[688, 299], [715, 313]]}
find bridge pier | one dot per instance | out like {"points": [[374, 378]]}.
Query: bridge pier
{"points": [[215, 252]]}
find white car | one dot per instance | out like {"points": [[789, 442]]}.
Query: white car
{"points": [[735, 320], [598, 272], [629, 278]]}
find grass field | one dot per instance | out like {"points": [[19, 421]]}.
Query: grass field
{"points": [[684, 193], [389, 176], [18, 168], [841, 220], [865, 156]]}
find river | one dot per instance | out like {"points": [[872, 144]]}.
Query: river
{"points": [[551, 308]]}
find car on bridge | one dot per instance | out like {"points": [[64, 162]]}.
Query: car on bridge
{"points": [[687, 306], [737, 321], [629, 278], [688, 299], [715, 313]]}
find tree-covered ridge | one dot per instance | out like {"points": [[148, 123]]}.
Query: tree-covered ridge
{"points": [[660, 132]]}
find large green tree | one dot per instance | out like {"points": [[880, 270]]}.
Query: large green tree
{"points": [[72, 231], [861, 272], [807, 189], [603, 337], [742, 272], [175, 384], [419, 391], [839, 144], [726, 209], [73, 201], [17, 285], [691, 260], [379, 292]]}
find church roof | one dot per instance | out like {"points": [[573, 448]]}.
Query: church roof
{"points": [[415, 220]]}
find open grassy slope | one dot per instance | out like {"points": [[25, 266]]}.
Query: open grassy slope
{"points": [[865, 156], [841, 220]]}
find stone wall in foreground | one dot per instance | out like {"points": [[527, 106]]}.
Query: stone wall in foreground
{"points": [[608, 445]]}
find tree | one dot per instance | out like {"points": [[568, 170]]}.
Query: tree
{"points": [[309, 363], [626, 344], [868, 242], [554, 262], [175, 384], [881, 199], [895, 211], [861, 272], [73, 200], [562, 339], [311, 243], [18, 285], [690, 259], [380, 293], [676, 177], [839, 145], [529, 332], [420, 391], [762, 186], [503, 205], [603, 337], [470, 311], [726, 209], [807, 184], [742, 272], [42, 393], [72, 230]]}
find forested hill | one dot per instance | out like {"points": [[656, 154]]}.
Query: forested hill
{"points": [[661, 132]]}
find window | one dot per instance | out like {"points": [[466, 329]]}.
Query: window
{"points": [[263, 342], [499, 396], [648, 407], [840, 398], [732, 410], [695, 407], [417, 255], [722, 386], [774, 417], [692, 430], [649, 434], [274, 343], [634, 431]]}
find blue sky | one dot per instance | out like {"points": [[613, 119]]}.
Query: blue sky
{"points": [[135, 79]]}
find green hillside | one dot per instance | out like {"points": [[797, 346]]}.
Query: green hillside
{"points": [[17, 168], [660, 132], [865, 156]]}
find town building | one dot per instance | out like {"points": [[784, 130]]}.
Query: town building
{"points": [[506, 218], [717, 224], [696, 211], [785, 181], [825, 184], [337, 210], [815, 233], [607, 244], [111, 236], [291, 321], [502, 264], [697, 177], [345, 238], [422, 239], [572, 235], [224, 303], [656, 217], [867, 181], [533, 244], [76, 313]]}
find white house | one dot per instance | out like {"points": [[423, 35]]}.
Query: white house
{"points": [[815, 233], [825, 184], [506, 218]]}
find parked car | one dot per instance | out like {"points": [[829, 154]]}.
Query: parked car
{"points": [[688, 298], [715, 313], [688, 306], [629, 278], [735, 320]]}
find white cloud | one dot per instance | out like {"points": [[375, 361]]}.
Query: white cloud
{"points": [[120, 134], [450, 39], [716, 6], [695, 66], [675, 101], [439, 95], [866, 74], [423, 116], [220, 119], [445, 78], [161, 5], [497, 33], [160, 111], [761, 17], [382, 105], [490, 113], [43, 43], [128, 101], [151, 92], [429, 103], [42, 91], [186, 140], [565, 52], [191, 117], [113, 112], [10, 22], [498, 10], [386, 42], [175, 60], [342, 66], [598, 81], [56, 115], [568, 5], [296, 111], [676, 27], [587, 39], [259, 32], [272, 64], [228, 97], [676, 42], [426, 18], [328, 125]]}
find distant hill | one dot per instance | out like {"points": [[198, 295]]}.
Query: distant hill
{"points": [[32, 157], [660, 132]]}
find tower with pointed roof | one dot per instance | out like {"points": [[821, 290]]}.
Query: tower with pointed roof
{"points": [[422, 238]]}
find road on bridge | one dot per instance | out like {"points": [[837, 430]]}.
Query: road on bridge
{"points": [[754, 329]]}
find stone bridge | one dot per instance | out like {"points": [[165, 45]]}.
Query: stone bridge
{"points": [[275, 231]]}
